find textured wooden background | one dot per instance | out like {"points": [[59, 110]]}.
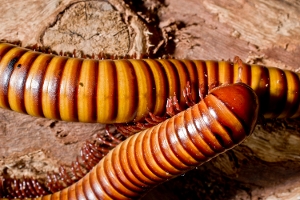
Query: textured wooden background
{"points": [[266, 166]]}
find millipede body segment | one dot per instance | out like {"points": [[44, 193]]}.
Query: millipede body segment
{"points": [[217, 123], [120, 91]]}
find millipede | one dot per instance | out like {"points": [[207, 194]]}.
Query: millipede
{"points": [[212, 126], [131, 90], [91, 153], [127, 90]]}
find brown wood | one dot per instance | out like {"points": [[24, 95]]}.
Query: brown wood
{"points": [[259, 31]]}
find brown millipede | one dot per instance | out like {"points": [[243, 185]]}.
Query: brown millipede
{"points": [[217, 123], [120, 91]]}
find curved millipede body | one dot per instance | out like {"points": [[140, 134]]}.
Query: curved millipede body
{"points": [[90, 155], [146, 159], [119, 91]]}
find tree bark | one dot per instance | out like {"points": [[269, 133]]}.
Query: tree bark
{"points": [[266, 166]]}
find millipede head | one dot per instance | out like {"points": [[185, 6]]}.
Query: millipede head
{"points": [[242, 101]]}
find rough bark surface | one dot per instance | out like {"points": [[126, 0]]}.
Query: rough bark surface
{"points": [[266, 166]]}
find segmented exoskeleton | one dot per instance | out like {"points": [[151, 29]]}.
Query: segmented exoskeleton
{"points": [[119, 91], [194, 136]]}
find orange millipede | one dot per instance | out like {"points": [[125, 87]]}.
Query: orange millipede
{"points": [[118, 91], [121, 91], [217, 123]]}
